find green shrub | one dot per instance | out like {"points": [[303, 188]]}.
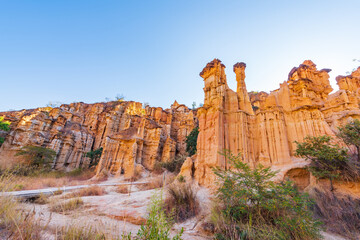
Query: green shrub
{"points": [[94, 156], [249, 205], [327, 160], [191, 141], [158, 225], [350, 133], [37, 157], [181, 178], [4, 126]]}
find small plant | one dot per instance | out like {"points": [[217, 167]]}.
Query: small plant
{"points": [[94, 156], [191, 141], [58, 192], [120, 97], [4, 126], [41, 199], [249, 205], [158, 168], [158, 225], [181, 178], [124, 189], [181, 202], [327, 160], [175, 164], [69, 205]]}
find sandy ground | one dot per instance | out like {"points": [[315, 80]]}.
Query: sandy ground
{"points": [[114, 212], [123, 213]]}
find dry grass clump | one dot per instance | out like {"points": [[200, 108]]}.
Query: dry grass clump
{"points": [[15, 224], [181, 202], [41, 199], [69, 205], [49, 179], [89, 191], [124, 189], [58, 192], [153, 183], [340, 214], [72, 232]]}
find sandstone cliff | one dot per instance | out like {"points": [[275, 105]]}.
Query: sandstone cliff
{"points": [[263, 127], [131, 136]]}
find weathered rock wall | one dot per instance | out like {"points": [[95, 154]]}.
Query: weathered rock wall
{"points": [[129, 134], [264, 127]]}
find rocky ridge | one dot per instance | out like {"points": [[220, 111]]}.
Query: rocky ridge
{"points": [[132, 137], [262, 126]]}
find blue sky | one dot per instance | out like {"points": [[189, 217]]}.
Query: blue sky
{"points": [[153, 51]]}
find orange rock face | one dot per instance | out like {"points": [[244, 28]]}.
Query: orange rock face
{"points": [[263, 127], [132, 137]]}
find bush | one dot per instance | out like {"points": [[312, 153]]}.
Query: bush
{"points": [[350, 133], [37, 157], [181, 203], [158, 225], [249, 205], [94, 156], [327, 160], [191, 141]]}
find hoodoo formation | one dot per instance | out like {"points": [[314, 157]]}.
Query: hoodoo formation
{"points": [[262, 127]]}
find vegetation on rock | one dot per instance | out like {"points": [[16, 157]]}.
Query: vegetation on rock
{"points": [[350, 133], [4, 126], [191, 141], [249, 205], [94, 156], [37, 157], [327, 160]]}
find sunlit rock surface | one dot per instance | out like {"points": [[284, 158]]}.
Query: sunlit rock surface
{"points": [[264, 127], [132, 137]]}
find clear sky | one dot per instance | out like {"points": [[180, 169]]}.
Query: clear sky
{"points": [[153, 51]]}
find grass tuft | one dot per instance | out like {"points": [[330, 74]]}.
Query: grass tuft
{"points": [[66, 206], [181, 202]]}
